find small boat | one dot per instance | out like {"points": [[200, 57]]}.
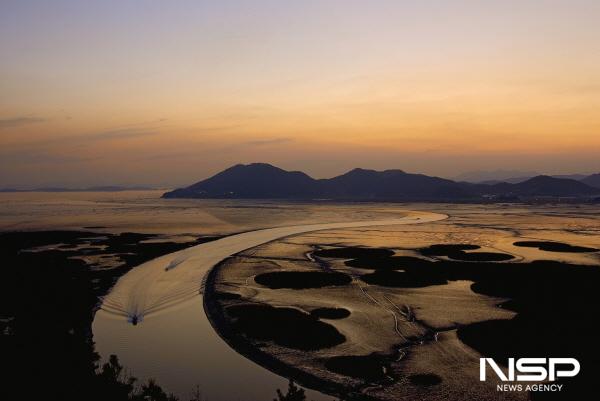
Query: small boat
{"points": [[134, 320]]}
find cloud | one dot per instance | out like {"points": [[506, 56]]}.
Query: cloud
{"points": [[169, 155], [215, 148], [274, 141], [80, 140], [134, 130], [19, 121], [40, 157], [44, 152], [124, 133]]}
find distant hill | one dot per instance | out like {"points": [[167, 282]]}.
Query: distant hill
{"points": [[542, 185], [577, 177], [393, 184], [592, 180], [264, 181], [513, 177], [495, 176], [258, 180], [511, 180]]}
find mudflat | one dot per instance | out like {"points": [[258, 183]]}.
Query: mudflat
{"points": [[417, 306]]}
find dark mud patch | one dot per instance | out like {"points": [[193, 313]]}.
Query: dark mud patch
{"points": [[406, 279], [287, 327], [227, 296], [301, 280], [353, 253], [552, 246], [481, 256], [387, 263], [555, 305], [457, 252], [330, 313], [511, 304], [492, 337], [425, 379], [366, 367], [447, 249]]}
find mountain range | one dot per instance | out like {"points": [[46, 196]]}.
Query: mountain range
{"points": [[511, 176], [494, 175], [264, 181], [592, 180]]}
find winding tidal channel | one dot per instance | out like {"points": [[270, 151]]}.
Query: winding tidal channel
{"points": [[173, 341]]}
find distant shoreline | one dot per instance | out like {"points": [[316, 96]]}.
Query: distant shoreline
{"points": [[90, 189]]}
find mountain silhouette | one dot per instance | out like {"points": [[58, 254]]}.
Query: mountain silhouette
{"points": [[478, 177], [264, 181], [543, 185], [257, 180], [592, 180], [392, 184]]}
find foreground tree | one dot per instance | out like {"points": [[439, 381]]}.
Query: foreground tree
{"points": [[294, 393]]}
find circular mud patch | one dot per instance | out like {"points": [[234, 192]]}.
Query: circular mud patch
{"points": [[390, 278], [480, 256], [446, 249], [425, 379], [551, 246], [301, 280], [388, 263], [287, 327], [457, 252], [353, 252], [227, 296], [330, 313]]}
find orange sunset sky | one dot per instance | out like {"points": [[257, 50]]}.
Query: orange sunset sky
{"points": [[169, 92]]}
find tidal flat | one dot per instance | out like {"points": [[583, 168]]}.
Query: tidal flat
{"points": [[417, 306]]}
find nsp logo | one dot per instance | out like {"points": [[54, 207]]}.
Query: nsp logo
{"points": [[531, 369]]}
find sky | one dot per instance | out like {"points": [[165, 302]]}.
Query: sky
{"points": [[165, 93]]}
